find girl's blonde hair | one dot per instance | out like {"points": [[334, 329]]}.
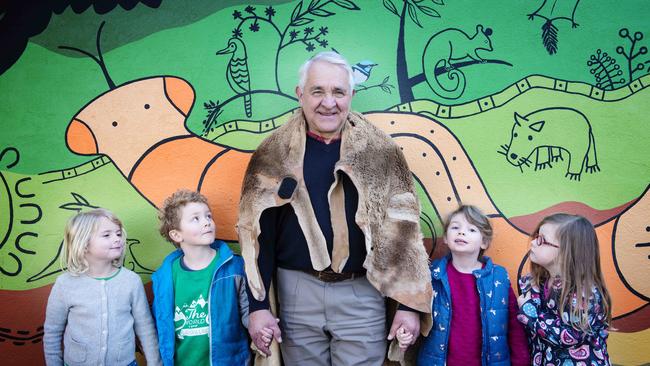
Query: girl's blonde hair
{"points": [[474, 216], [579, 259], [78, 232]]}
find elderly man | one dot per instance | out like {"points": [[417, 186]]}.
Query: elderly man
{"points": [[329, 209]]}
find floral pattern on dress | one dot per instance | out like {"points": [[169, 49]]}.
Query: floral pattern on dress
{"points": [[553, 341]]}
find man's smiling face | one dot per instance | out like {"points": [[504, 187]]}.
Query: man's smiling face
{"points": [[325, 98]]}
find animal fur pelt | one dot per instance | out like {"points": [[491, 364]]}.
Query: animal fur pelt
{"points": [[388, 210]]}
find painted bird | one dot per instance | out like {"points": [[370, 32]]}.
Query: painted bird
{"points": [[361, 71], [237, 73]]}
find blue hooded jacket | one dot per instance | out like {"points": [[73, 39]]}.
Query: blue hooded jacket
{"points": [[493, 287], [228, 337]]}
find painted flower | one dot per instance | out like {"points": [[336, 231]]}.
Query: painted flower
{"points": [[236, 14], [236, 33], [254, 27], [269, 11], [323, 43], [323, 30], [309, 30], [293, 34], [310, 47], [249, 9]]}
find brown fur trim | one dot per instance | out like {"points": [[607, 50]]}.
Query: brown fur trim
{"points": [[388, 210]]}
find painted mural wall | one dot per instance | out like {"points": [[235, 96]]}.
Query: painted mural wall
{"points": [[523, 108]]}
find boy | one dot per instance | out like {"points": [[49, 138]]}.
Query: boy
{"points": [[200, 303]]}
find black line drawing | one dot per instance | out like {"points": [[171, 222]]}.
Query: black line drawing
{"points": [[551, 133], [630, 55], [384, 86], [51, 268], [132, 262], [412, 8], [19, 207], [80, 203], [606, 71], [99, 59], [442, 54], [552, 11], [291, 34], [239, 72]]}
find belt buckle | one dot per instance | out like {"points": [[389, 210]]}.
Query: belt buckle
{"points": [[329, 276], [323, 276]]}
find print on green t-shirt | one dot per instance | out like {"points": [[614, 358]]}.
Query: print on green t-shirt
{"points": [[191, 313]]}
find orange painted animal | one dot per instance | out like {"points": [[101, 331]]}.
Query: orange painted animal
{"points": [[140, 125]]}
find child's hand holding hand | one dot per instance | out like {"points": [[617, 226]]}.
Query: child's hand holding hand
{"points": [[521, 300], [267, 336], [404, 338]]}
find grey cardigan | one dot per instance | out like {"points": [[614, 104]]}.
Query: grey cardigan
{"points": [[96, 320]]}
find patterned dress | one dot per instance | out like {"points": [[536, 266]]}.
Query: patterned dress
{"points": [[553, 341]]}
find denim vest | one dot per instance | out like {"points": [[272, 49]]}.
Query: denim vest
{"points": [[228, 337], [493, 287]]}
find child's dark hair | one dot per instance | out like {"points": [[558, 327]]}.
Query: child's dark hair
{"points": [[475, 217], [170, 212]]}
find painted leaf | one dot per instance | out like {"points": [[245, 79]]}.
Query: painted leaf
{"points": [[79, 198], [549, 37], [346, 4], [391, 7], [321, 12], [414, 14], [439, 2], [313, 4], [429, 11], [296, 12], [301, 21]]}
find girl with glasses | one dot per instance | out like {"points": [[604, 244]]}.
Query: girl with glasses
{"points": [[564, 304]]}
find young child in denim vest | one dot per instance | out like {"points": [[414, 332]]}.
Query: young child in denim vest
{"points": [[474, 306], [97, 307], [200, 302], [565, 306]]}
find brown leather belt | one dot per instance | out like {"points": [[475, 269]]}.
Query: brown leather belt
{"points": [[330, 276]]}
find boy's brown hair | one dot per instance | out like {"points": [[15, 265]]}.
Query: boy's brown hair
{"points": [[170, 212], [474, 216]]}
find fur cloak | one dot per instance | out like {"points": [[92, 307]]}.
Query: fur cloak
{"points": [[388, 209]]}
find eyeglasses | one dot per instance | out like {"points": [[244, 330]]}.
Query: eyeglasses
{"points": [[539, 240]]}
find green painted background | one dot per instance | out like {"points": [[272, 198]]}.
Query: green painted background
{"points": [[47, 86]]}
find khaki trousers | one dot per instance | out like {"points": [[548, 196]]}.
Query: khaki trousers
{"points": [[330, 323]]}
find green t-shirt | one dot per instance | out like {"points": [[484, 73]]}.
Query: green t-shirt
{"points": [[191, 313]]}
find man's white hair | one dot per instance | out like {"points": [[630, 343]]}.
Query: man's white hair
{"points": [[331, 58]]}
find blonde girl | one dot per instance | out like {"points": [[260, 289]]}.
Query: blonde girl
{"points": [[96, 307], [564, 304]]}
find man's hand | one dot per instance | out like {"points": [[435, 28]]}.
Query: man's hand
{"points": [[408, 322], [263, 327]]}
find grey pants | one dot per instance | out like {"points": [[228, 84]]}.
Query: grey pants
{"points": [[340, 323]]}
